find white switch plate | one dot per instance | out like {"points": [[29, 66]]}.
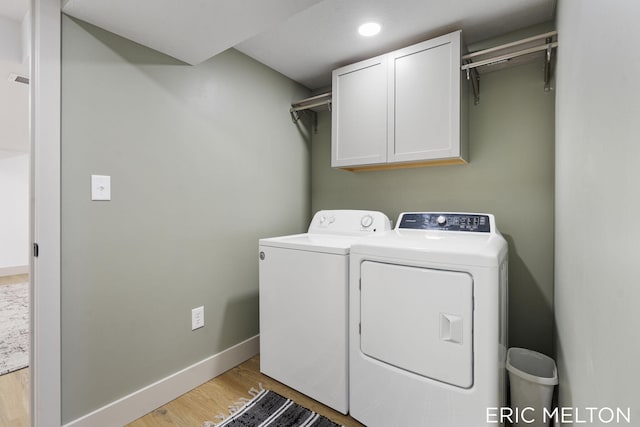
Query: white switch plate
{"points": [[100, 187], [197, 318]]}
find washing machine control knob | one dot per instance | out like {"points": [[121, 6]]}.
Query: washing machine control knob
{"points": [[366, 221], [441, 220]]}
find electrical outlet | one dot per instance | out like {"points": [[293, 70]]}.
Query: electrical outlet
{"points": [[197, 318]]}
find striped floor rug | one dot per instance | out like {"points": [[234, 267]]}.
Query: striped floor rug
{"points": [[269, 409]]}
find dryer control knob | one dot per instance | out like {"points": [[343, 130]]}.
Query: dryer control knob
{"points": [[441, 220], [366, 221]]}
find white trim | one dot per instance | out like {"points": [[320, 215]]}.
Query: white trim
{"points": [[45, 213], [12, 271], [145, 400]]}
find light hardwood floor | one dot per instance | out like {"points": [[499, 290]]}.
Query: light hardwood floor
{"points": [[191, 409], [17, 278], [214, 397], [14, 386], [14, 398]]}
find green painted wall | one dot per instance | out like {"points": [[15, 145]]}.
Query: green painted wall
{"points": [[203, 161], [511, 174]]}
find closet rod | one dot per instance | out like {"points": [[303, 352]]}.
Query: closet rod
{"points": [[512, 44], [295, 107], [508, 56], [312, 102], [309, 103]]}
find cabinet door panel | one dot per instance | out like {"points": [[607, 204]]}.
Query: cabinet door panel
{"points": [[423, 117], [359, 114]]}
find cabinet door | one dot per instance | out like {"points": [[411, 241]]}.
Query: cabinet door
{"points": [[424, 90], [359, 114]]}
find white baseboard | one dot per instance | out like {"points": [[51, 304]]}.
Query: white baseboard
{"points": [[145, 400], [12, 271]]}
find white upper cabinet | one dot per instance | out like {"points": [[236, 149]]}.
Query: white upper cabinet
{"points": [[400, 109], [360, 122], [425, 92]]}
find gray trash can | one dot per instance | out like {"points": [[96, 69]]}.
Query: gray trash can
{"points": [[532, 377]]}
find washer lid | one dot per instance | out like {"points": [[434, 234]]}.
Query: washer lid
{"points": [[324, 243]]}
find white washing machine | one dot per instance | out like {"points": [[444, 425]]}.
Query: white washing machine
{"points": [[428, 322], [304, 303]]}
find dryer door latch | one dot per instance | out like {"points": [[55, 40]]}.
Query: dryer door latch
{"points": [[451, 328]]}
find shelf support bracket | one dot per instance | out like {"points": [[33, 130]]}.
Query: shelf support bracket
{"points": [[547, 65], [297, 115], [294, 116], [474, 77], [305, 108]]}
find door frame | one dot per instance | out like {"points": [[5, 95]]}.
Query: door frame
{"points": [[45, 212]]}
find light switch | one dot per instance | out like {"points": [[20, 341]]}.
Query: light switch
{"points": [[100, 187]]}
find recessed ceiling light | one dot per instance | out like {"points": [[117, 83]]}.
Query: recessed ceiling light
{"points": [[369, 29]]}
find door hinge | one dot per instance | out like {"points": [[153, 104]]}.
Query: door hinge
{"points": [[36, 250], [360, 328]]}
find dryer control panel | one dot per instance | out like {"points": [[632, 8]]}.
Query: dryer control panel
{"points": [[477, 223]]}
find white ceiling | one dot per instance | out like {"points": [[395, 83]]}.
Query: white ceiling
{"points": [[302, 39], [323, 37], [191, 31]]}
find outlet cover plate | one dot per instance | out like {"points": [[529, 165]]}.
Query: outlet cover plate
{"points": [[197, 318]]}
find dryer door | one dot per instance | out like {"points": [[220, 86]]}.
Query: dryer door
{"points": [[419, 320]]}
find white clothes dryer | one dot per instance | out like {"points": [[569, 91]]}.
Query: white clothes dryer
{"points": [[428, 322], [304, 307]]}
